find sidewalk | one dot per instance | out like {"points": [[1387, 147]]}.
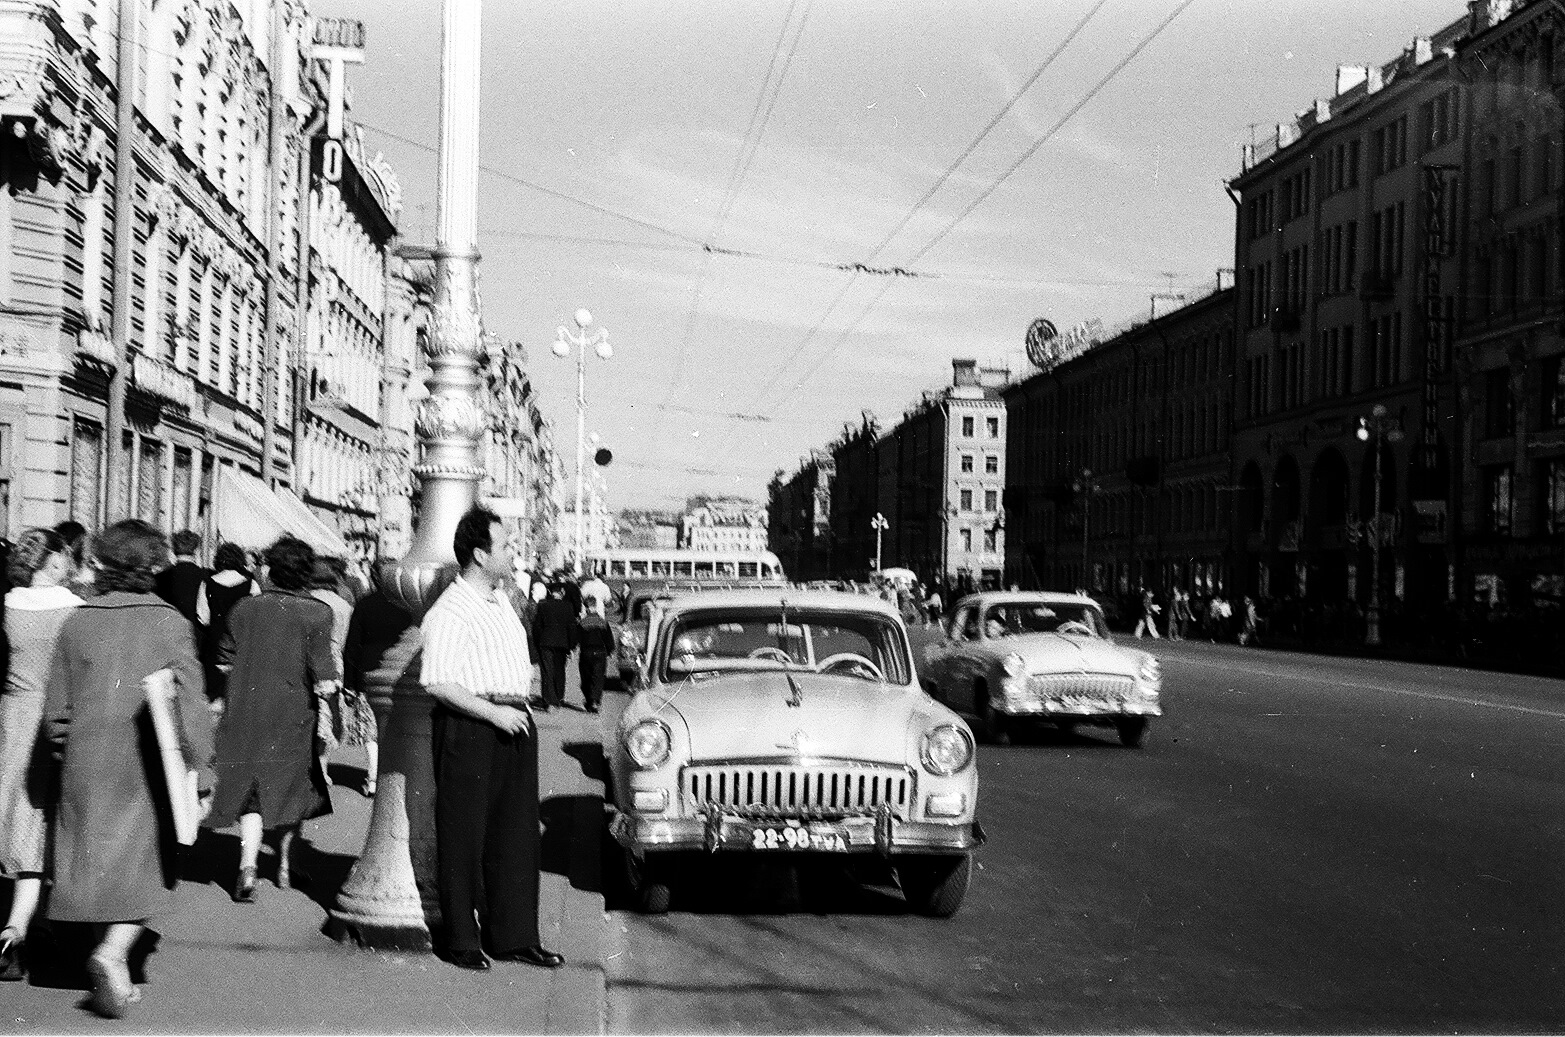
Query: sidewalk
{"points": [[267, 968]]}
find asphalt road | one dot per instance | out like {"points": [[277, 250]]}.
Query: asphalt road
{"points": [[1302, 845]]}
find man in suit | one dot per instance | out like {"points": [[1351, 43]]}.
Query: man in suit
{"points": [[180, 582], [554, 635]]}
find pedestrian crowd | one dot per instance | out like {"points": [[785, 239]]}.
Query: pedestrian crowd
{"points": [[268, 657]]}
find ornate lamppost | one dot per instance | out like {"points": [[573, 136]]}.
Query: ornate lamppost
{"points": [[563, 343], [1375, 429], [1085, 485], [390, 898], [879, 525]]}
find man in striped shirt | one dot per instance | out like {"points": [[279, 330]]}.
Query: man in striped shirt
{"points": [[475, 666]]}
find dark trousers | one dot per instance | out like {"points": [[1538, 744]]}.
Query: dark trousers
{"points": [[486, 833], [551, 670], [594, 668]]}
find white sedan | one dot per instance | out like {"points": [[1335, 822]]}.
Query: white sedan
{"points": [[1012, 657]]}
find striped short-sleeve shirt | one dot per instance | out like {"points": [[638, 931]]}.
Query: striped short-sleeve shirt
{"points": [[474, 639]]}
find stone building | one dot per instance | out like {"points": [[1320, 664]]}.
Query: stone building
{"points": [[1510, 356], [798, 518], [1348, 283], [1118, 462], [723, 524]]}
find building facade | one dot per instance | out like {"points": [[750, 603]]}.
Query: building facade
{"points": [[723, 524], [1118, 459], [1509, 353], [1349, 284], [798, 518]]}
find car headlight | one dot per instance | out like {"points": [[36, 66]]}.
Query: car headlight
{"points": [[1014, 665], [946, 750], [647, 743]]}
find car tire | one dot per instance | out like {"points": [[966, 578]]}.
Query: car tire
{"points": [[649, 888], [936, 885], [1131, 731], [992, 723]]}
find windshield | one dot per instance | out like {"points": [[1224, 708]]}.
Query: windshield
{"points": [[852, 645], [1036, 617]]}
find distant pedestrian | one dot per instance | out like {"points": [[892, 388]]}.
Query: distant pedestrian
{"points": [[1149, 610], [377, 625], [230, 583], [594, 589], [114, 851], [282, 673], [1179, 615], [35, 609], [595, 643], [1250, 634], [934, 608], [554, 635], [475, 667], [180, 583]]}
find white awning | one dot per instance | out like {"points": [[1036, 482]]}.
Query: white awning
{"points": [[254, 517]]}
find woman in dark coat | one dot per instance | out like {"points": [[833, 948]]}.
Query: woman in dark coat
{"points": [[281, 667], [595, 638], [229, 583], [114, 852]]}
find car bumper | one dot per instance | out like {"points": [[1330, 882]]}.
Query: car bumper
{"points": [[884, 835], [1085, 710]]}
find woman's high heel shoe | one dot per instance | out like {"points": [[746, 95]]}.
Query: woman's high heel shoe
{"points": [[244, 891], [12, 944]]}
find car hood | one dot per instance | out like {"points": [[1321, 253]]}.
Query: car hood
{"points": [[1049, 653], [747, 716]]}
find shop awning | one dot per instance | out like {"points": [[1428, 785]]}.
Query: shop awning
{"points": [[254, 517]]}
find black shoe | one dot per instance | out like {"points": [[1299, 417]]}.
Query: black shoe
{"points": [[542, 707], [538, 955], [474, 960], [592, 707]]}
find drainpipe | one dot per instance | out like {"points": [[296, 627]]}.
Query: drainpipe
{"points": [[276, 110], [125, 88], [301, 298]]}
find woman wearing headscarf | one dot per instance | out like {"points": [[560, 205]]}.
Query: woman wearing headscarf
{"points": [[354, 720], [229, 583], [115, 845], [35, 609], [281, 673], [596, 643]]}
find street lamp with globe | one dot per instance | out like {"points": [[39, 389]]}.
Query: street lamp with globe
{"points": [[563, 344], [1376, 429]]}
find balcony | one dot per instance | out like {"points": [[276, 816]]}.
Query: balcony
{"points": [[1285, 320]]}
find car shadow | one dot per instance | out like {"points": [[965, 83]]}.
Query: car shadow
{"points": [[590, 756], [573, 831]]}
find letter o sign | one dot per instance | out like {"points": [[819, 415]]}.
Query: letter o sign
{"points": [[331, 161]]}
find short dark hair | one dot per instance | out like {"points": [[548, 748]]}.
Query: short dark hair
{"points": [[71, 531], [129, 555], [289, 563], [230, 556], [186, 542], [474, 532], [323, 575], [32, 550]]}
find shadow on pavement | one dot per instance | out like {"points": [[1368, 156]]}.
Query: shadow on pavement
{"points": [[572, 828], [590, 756], [742, 884]]}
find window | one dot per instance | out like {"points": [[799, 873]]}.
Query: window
{"points": [[991, 540], [1542, 167], [1554, 392], [991, 500], [1500, 407], [991, 464], [1552, 483], [992, 427], [967, 500], [967, 426], [966, 539], [1497, 500], [967, 463], [86, 456]]}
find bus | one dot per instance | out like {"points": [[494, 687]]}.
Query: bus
{"points": [[635, 563]]}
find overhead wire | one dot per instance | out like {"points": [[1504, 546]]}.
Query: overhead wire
{"points": [[985, 194], [940, 181], [771, 89]]}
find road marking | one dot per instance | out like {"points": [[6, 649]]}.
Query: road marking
{"points": [[1434, 695]]}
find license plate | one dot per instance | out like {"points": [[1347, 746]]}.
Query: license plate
{"points": [[1083, 703], [798, 837]]}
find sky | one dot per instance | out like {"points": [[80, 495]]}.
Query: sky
{"points": [[788, 212]]}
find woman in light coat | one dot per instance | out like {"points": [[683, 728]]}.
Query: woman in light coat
{"points": [[115, 846], [35, 609]]}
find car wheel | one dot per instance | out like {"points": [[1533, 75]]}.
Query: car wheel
{"points": [[993, 724], [649, 888], [1131, 730], [935, 886]]}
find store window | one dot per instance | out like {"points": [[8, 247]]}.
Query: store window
{"points": [[1497, 500]]}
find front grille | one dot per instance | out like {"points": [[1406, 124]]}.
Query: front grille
{"points": [[824, 790], [1106, 687]]}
